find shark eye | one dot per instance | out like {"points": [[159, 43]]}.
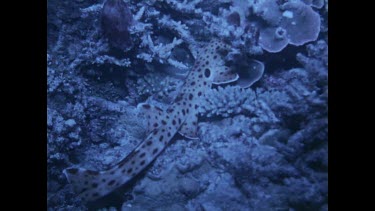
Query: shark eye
{"points": [[207, 72]]}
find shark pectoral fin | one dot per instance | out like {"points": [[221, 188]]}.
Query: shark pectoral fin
{"points": [[224, 75], [190, 127], [250, 74], [153, 115]]}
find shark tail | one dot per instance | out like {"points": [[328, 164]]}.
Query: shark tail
{"points": [[91, 185], [87, 183]]}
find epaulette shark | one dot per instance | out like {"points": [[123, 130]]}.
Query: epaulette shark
{"points": [[180, 117]]}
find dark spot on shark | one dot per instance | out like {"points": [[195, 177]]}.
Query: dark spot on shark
{"points": [[110, 183], [174, 122], [207, 72], [94, 185], [199, 93], [146, 106], [130, 170], [163, 122], [155, 132], [169, 134], [178, 98], [215, 57], [156, 124], [195, 106], [72, 171], [155, 151], [142, 163], [190, 96], [142, 155], [192, 83], [207, 62], [161, 138], [200, 76], [91, 172], [170, 110], [205, 83], [123, 162], [149, 143], [183, 112]]}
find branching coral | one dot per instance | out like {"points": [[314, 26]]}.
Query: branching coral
{"points": [[233, 100], [156, 85], [159, 52]]}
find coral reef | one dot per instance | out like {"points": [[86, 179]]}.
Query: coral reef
{"points": [[263, 142], [295, 23]]}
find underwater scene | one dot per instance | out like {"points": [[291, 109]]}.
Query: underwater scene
{"points": [[191, 105]]}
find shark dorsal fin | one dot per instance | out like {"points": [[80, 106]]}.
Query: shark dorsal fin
{"points": [[224, 75]]}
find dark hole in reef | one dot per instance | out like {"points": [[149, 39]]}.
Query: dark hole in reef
{"points": [[100, 77], [52, 35], [294, 122], [317, 165], [283, 60]]}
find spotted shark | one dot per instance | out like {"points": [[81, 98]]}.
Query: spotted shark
{"points": [[180, 117]]}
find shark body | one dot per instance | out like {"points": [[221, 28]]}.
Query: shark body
{"points": [[180, 117]]}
